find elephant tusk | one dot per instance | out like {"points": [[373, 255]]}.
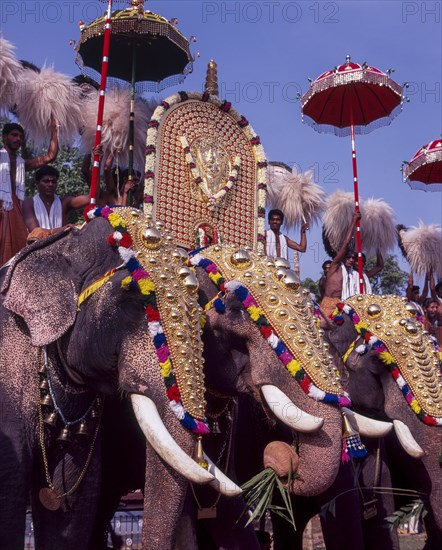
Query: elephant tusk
{"points": [[222, 483], [368, 427], [406, 439], [286, 411], [159, 437]]}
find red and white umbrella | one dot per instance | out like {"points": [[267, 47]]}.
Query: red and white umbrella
{"points": [[424, 171], [352, 99]]}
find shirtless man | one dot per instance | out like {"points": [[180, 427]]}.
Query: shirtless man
{"points": [[46, 210], [13, 230], [334, 282]]}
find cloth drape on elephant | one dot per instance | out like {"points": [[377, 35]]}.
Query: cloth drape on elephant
{"points": [[13, 232]]}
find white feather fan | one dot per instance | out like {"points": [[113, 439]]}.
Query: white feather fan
{"points": [[423, 246], [295, 194], [378, 226], [47, 93], [10, 71], [115, 132]]}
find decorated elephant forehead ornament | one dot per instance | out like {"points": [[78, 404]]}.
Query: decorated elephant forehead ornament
{"points": [[158, 267], [276, 299], [389, 326]]}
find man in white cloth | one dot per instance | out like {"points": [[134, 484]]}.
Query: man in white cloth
{"points": [[46, 210], [277, 244], [13, 232], [367, 274]]}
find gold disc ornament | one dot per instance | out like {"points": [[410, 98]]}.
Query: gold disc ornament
{"points": [[49, 498]]}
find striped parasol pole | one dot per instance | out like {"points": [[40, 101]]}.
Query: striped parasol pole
{"points": [[104, 67]]}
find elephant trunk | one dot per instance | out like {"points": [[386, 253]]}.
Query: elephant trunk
{"points": [[319, 452]]}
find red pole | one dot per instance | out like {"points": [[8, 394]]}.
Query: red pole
{"points": [[358, 223], [104, 66]]}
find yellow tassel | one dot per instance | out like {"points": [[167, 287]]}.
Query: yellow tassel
{"points": [[348, 352], [94, 287]]}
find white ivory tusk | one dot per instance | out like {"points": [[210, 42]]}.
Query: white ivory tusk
{"points": [[406, 439], [159, 437], [286, 411], [222, 483], [368, 427]]}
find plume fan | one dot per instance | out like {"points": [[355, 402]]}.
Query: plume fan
{"points": [[45, 93], [423, 247], [378, 226], [295, 194], [10, 70], [115, 133]]}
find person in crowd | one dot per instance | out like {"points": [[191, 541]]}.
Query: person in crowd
{"points": [[46, 212], [339, 283], [367, 274], [413, 295], [321, 283], [13, 231], [432, 320], [436, 292], [277, 244]]}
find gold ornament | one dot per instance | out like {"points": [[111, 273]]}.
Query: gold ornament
{"points": [[286, 307], [176, 288], [414, 354]]}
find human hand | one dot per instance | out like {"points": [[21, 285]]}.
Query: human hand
{"points": [[357, 215], [305, 227], [98, 150]]}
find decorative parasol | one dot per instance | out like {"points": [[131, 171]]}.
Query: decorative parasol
{"points": [[146, 50], [352, 99], [424, 171]]}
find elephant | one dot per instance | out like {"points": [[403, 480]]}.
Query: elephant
{"points": [[240, 362], [73, 324], [393, 373]]}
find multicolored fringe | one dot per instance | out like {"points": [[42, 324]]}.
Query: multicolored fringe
{"points": [[140, 278], [378, 346], [352, 448], [268, 332]]}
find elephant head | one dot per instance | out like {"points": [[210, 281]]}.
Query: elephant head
{"points": [[112, 310], [262, 293], [394, 373]]}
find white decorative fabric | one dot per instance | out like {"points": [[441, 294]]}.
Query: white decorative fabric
{"points": [[271, 245], [54, 218], [5, 179], [349, 288], [367, 285]]}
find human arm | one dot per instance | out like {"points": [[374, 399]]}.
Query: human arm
{"points": [[425, 289], [348, 236], [409, 289], [378, 267], [302, 246], [433, 293], [29, 216], [38, 162]]}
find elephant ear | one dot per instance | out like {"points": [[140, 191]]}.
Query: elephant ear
{"points": [[39, 288]]}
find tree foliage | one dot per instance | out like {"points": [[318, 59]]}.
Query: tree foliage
{"points": [[312, 286], [391, 280]]}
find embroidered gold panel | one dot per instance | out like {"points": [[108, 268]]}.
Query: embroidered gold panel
{"points": [[176, 290], [286, 306], [392, 320]]}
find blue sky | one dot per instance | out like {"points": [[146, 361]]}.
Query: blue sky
{"points": [[265, 52]]}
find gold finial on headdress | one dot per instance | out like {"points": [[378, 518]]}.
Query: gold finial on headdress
{"points": [[212, 78]]}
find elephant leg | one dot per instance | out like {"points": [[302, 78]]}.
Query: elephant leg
{"points": [[375, 472], [341, 512], [15, 479], [69, 527], [284, 536]]}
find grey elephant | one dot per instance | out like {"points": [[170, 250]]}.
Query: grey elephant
{"points": [[240, 361], [78, 321], [394, 374]]}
